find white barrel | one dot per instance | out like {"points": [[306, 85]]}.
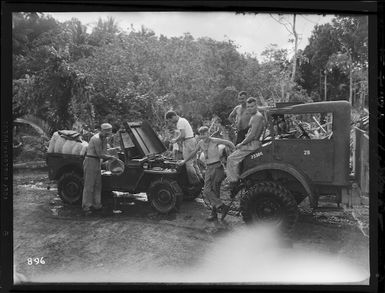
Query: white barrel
{"points": [[52, 142], [77, 149], [68, 146], [59, 144], [84, 148]]}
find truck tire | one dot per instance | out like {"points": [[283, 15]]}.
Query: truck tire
{"points": [[70, 188], [269, 202], [165, 195]]}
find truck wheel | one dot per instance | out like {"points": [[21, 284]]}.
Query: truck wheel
{"points": [[70, 188], [270, 202], [165, 195]]}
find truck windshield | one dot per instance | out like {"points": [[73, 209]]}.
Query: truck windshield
{"points": [[304, 125]]}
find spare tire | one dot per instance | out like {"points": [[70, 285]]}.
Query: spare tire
{"points": [[270, 202]]}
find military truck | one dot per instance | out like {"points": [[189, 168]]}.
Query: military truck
{"points": [[146, 170], [304, 153]]}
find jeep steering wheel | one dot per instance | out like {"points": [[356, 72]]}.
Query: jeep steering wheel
{"points": [[304, 133]]}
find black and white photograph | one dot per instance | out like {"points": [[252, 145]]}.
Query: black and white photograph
{"points": [[190, 147]]}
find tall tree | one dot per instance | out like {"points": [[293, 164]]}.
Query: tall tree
{"points": [[290, 26], [322, 45], [352, 34]]}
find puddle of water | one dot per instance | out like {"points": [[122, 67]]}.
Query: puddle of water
{"points": [[34, 186]]}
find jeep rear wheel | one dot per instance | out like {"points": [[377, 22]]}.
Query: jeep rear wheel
{"points": [[70, 188], [270, 203], [165, 195]]}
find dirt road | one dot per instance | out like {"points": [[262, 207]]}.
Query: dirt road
{"points": [[138, 245]]}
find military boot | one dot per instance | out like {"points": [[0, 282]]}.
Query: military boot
{"points": [[213, 216], [223, 209]]}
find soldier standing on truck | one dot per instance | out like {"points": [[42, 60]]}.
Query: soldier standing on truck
{"points": [[240, 117], [96, 152], [214, 174], [186, 136], [249, 144]]}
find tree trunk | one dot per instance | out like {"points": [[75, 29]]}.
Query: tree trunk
{"points": [[320, 84], [350, 80], [325, 85], [292, 78], [282, 92], [295, 51], [362, 100]]}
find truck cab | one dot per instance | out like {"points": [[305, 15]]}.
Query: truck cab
{"points": [[305, 153]]}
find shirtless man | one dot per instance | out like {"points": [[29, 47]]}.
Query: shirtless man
{"points": [[240, 117], [214, 173], [246, 146]]}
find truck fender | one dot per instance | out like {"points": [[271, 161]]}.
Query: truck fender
{"points": [[288, 169]]}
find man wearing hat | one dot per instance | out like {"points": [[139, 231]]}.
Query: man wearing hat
{"points": [[96, 153]]}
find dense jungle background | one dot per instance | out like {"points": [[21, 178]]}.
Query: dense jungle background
{"points": [[65, 74]]}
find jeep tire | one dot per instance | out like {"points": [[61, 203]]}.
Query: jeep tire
{"points": [[70, 188], [165, 195], [270, 202]]}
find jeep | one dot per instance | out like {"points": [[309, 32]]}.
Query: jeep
{"points": [[146, 169]]}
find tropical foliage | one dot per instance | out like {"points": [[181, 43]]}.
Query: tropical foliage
{"points": [[62, 73]]}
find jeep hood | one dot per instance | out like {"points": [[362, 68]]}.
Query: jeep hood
{"points": [[145, 138]]}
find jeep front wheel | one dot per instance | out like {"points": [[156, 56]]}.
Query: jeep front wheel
{"points": [[270, 202], [70, 188], [165, 195]]}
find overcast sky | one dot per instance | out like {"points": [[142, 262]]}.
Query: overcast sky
{"points": [[252, 33]]}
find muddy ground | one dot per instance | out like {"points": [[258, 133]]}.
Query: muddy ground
{"points": [[138, 245]]}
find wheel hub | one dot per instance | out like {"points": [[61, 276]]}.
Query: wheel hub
{"points": [[164, 196], [268, 210], [72, 189]]}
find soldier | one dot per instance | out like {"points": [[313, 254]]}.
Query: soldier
{"points": [[214, 173], [96, 152], [246, 146], [240, 117], [186, 136]]}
